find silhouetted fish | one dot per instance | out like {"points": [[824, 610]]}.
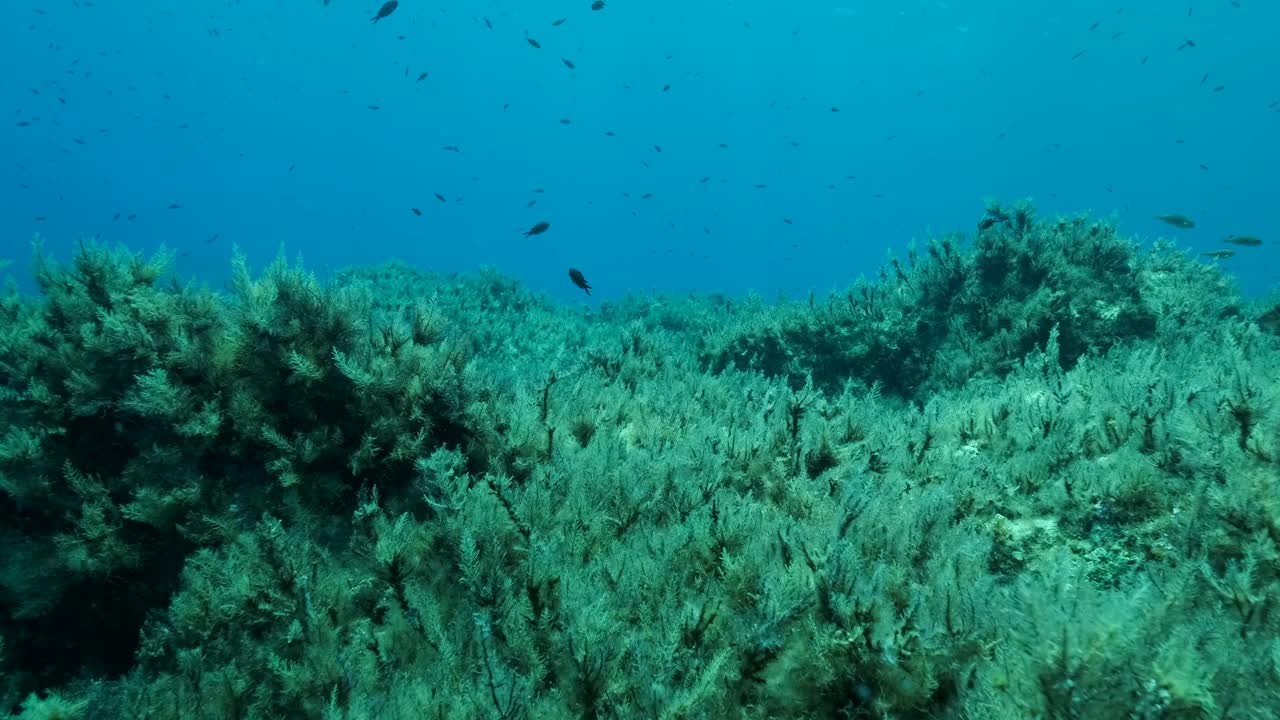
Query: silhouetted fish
{"points": [[576, 276], [1178, 221], [387, 8], [538, 229], [1246, 240]]}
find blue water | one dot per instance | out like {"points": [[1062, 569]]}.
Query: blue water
{"points": [[257, 119]]}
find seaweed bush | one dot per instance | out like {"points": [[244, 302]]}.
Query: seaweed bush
{"points": [[937, 321], [145, 420]]}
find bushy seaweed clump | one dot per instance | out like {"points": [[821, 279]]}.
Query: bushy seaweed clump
{"points": [[144, 420], [557, 515], [937, 321]]}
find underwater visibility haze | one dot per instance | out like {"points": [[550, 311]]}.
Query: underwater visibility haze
{"points": [[913, 359]]}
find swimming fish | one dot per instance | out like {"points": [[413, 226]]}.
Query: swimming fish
{"points": [[387, 8], [1219, 254], [538, 229], [1178, 221], [597, 5], [576, 276], [1246, 240]]}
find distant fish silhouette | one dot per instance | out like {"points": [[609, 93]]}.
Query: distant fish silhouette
{"points": [[576, 276], [1178, 221], [386, 9], [538, 229]]}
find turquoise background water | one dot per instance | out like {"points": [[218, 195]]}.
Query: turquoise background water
{"points": [[256, 119]]}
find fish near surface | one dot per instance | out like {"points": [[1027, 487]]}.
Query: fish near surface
{"points": [[576, 276], [387, 8], [1178, 221]]}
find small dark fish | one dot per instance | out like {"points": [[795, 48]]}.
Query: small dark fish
{"points": [[212, 238], [1219, 254], [576, 276], [1116, 35], [115, 217], [24, 123], [132, 216], [597, 5], [567, 63], [374, 107], [1144, 59], [1220, 88], [657, 148], [387, 8], [1078, 55], [175, 206], [610, 133], [646, 196], [422, 76], [566, 121], [1095, 25], [787, 220], [451, 148], [416, 211], [1178, 221], [438, 196], [1203, 78], [666, 87], [558, 23], [531, 203], [538, 229], [835, 108], [1245, 240], [533, 42], [488, 24], [1187, 44]]}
